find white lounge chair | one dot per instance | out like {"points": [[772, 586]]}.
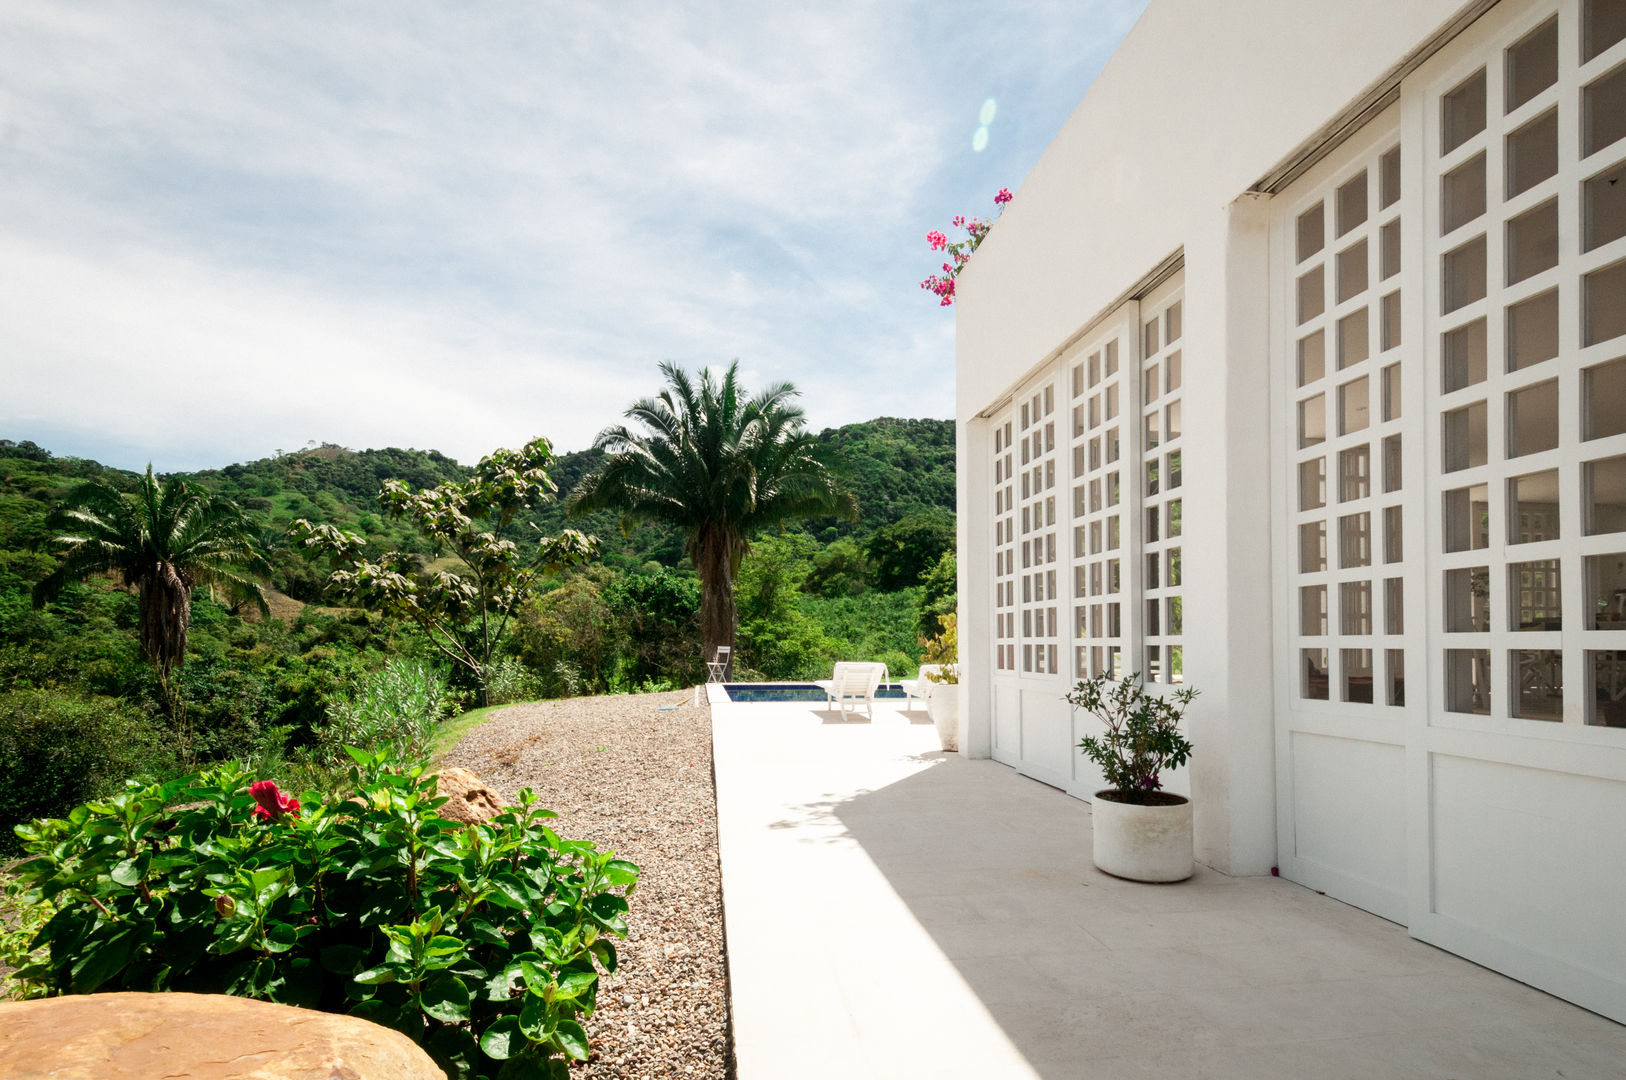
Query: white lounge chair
{"points": [[851, 683], [921, 687]]}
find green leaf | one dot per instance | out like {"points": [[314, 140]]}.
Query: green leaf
{"points": [[620, 872], [535, 1019], [571, 1037], [454, 1050], [605, 951], [446, 998], [503, 1039], [130, 871], [383, 973], [577, 983], [343, 959], [103, 959], [402, 1019]]}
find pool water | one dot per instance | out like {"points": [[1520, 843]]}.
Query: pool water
{"points": [[798, 692]]}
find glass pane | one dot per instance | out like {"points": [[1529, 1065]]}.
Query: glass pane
{"points": [[1150, 338], [1467, 600], [1603, 112], [1533, 507], [1532, 419], [1603, 22], [1394, 606], [1391, 463], [1355, 540], [1312, 357], [1391, 392], [1152, 430], [1467, 681], [1390, 308], [1532, 153], [1313, 547], [1463, 362], [1463, 273], [1467, 518], [1313, 420], [1151, 525], [1462, 112], [1605, 484], [1541, 684], [1174, 469], [1389, 179], [1153, 623], [1355, 608], [1352, 271], [1315, 685], [1174, 513], [1389, 250], [1535, 597], [1462, 437], [1312, 231], [1603, 397], [1171, 566], [1355, 473], [1312, 294], [1313, 610], [1606, 591], [1354, 405], [1176, 617], [1171, 371], [1608, 696], [1172, 420], [1357, 665], [1171, 324], [1395, 660], [1353, 343], [1151, 385], [1393, 535], [1603, 208], [1603, 301], [1532, 242], [1532, 331], [1532, 64], [1351, 201], [1462, 194]]}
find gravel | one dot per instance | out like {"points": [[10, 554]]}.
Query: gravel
{"points": [[628, 775]]}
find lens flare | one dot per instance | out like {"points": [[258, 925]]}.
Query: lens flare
{"points": [[979, 141], [986, 116]]}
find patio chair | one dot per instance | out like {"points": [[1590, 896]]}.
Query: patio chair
{"points": [[717, 669], [921, 686], [851, 683]]}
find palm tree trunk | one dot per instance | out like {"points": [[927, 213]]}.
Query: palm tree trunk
{"points": [[713, 561]]}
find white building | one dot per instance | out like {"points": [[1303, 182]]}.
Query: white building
{"points": [[1297, 370]]}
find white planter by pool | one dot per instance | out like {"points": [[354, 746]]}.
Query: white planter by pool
{"points": [[943, 706], [1142, 843]]}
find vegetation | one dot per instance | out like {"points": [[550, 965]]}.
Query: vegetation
{"points": [[1142, 736], [482, 943], [719, 467]]}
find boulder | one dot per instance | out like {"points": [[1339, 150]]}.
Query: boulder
{"points": [[468, 800], [198, 1037]]}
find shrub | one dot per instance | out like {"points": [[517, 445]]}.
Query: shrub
{"points": [[508, 681], [1142, 736], [394, 708], [483, 943], [60, 749]]}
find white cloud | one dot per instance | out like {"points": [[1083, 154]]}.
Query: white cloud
{"points": [[237, 228]]}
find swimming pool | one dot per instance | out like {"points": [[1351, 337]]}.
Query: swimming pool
{"points": [[739, 692]]}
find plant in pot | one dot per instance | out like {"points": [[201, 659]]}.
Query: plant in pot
{"points": [[940, 665], [1141, 832]]}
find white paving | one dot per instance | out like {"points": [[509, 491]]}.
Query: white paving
{"points": [[893, 911]]}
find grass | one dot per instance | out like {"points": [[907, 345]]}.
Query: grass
{"points": [[451, 732]]}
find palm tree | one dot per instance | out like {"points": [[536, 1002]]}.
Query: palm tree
{"points": [[163, 540], [720, 466]]}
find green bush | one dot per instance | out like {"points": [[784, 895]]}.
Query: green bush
{"points": [[60, 749], [482, 943], [394, 708], [508, 681]]}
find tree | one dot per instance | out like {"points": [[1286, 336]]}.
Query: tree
{"points": [[464, 615], [721, 467], [903, 551], [164, 541]]}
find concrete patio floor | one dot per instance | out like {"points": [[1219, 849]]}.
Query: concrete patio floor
{"points": [[894, 911]]}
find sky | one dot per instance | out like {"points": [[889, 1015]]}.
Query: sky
{"points": [[229, 230]]}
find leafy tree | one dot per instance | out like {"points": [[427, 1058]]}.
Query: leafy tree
{"points": [[841, 569], [940, 594], [903, 551], [464, 615], [164, 541], [720, 466], [776, 637]]}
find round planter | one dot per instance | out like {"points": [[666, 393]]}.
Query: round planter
{"points": [[943, 706], [1142, 843]]}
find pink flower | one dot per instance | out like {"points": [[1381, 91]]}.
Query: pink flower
{"points": [[1003, 197], [937, 240], [272, 803]]}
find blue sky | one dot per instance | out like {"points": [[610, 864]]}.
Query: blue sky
{"points": [[230, 229]]}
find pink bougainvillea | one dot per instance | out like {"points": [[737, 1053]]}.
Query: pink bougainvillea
{"points": [[941, 284]]}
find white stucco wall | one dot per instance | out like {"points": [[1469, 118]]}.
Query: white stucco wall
{"points": [[1200, 101]]}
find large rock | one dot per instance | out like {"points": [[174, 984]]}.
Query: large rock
{"points": [[468, 800], [198, 1037]]}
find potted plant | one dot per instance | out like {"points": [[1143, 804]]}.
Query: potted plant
{"points": [[1141, 832], [940, 666]]}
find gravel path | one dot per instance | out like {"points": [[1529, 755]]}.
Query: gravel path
{"points": [[623, 773]]}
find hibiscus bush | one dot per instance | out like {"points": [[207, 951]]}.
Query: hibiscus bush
{"points": [[484, 943]]}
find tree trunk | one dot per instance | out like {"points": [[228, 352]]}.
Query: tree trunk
{"points": [[166, 614], [713, 561]]}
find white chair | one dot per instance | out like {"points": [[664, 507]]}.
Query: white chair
{"points": [[851, 683], [717, 670], [921, 686]]}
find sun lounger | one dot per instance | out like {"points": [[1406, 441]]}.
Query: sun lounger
{"points": [[851, 683], [921, 687]]}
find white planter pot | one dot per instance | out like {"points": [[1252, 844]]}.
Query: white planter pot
{"points": [[943, 706], [1142, 843]]}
